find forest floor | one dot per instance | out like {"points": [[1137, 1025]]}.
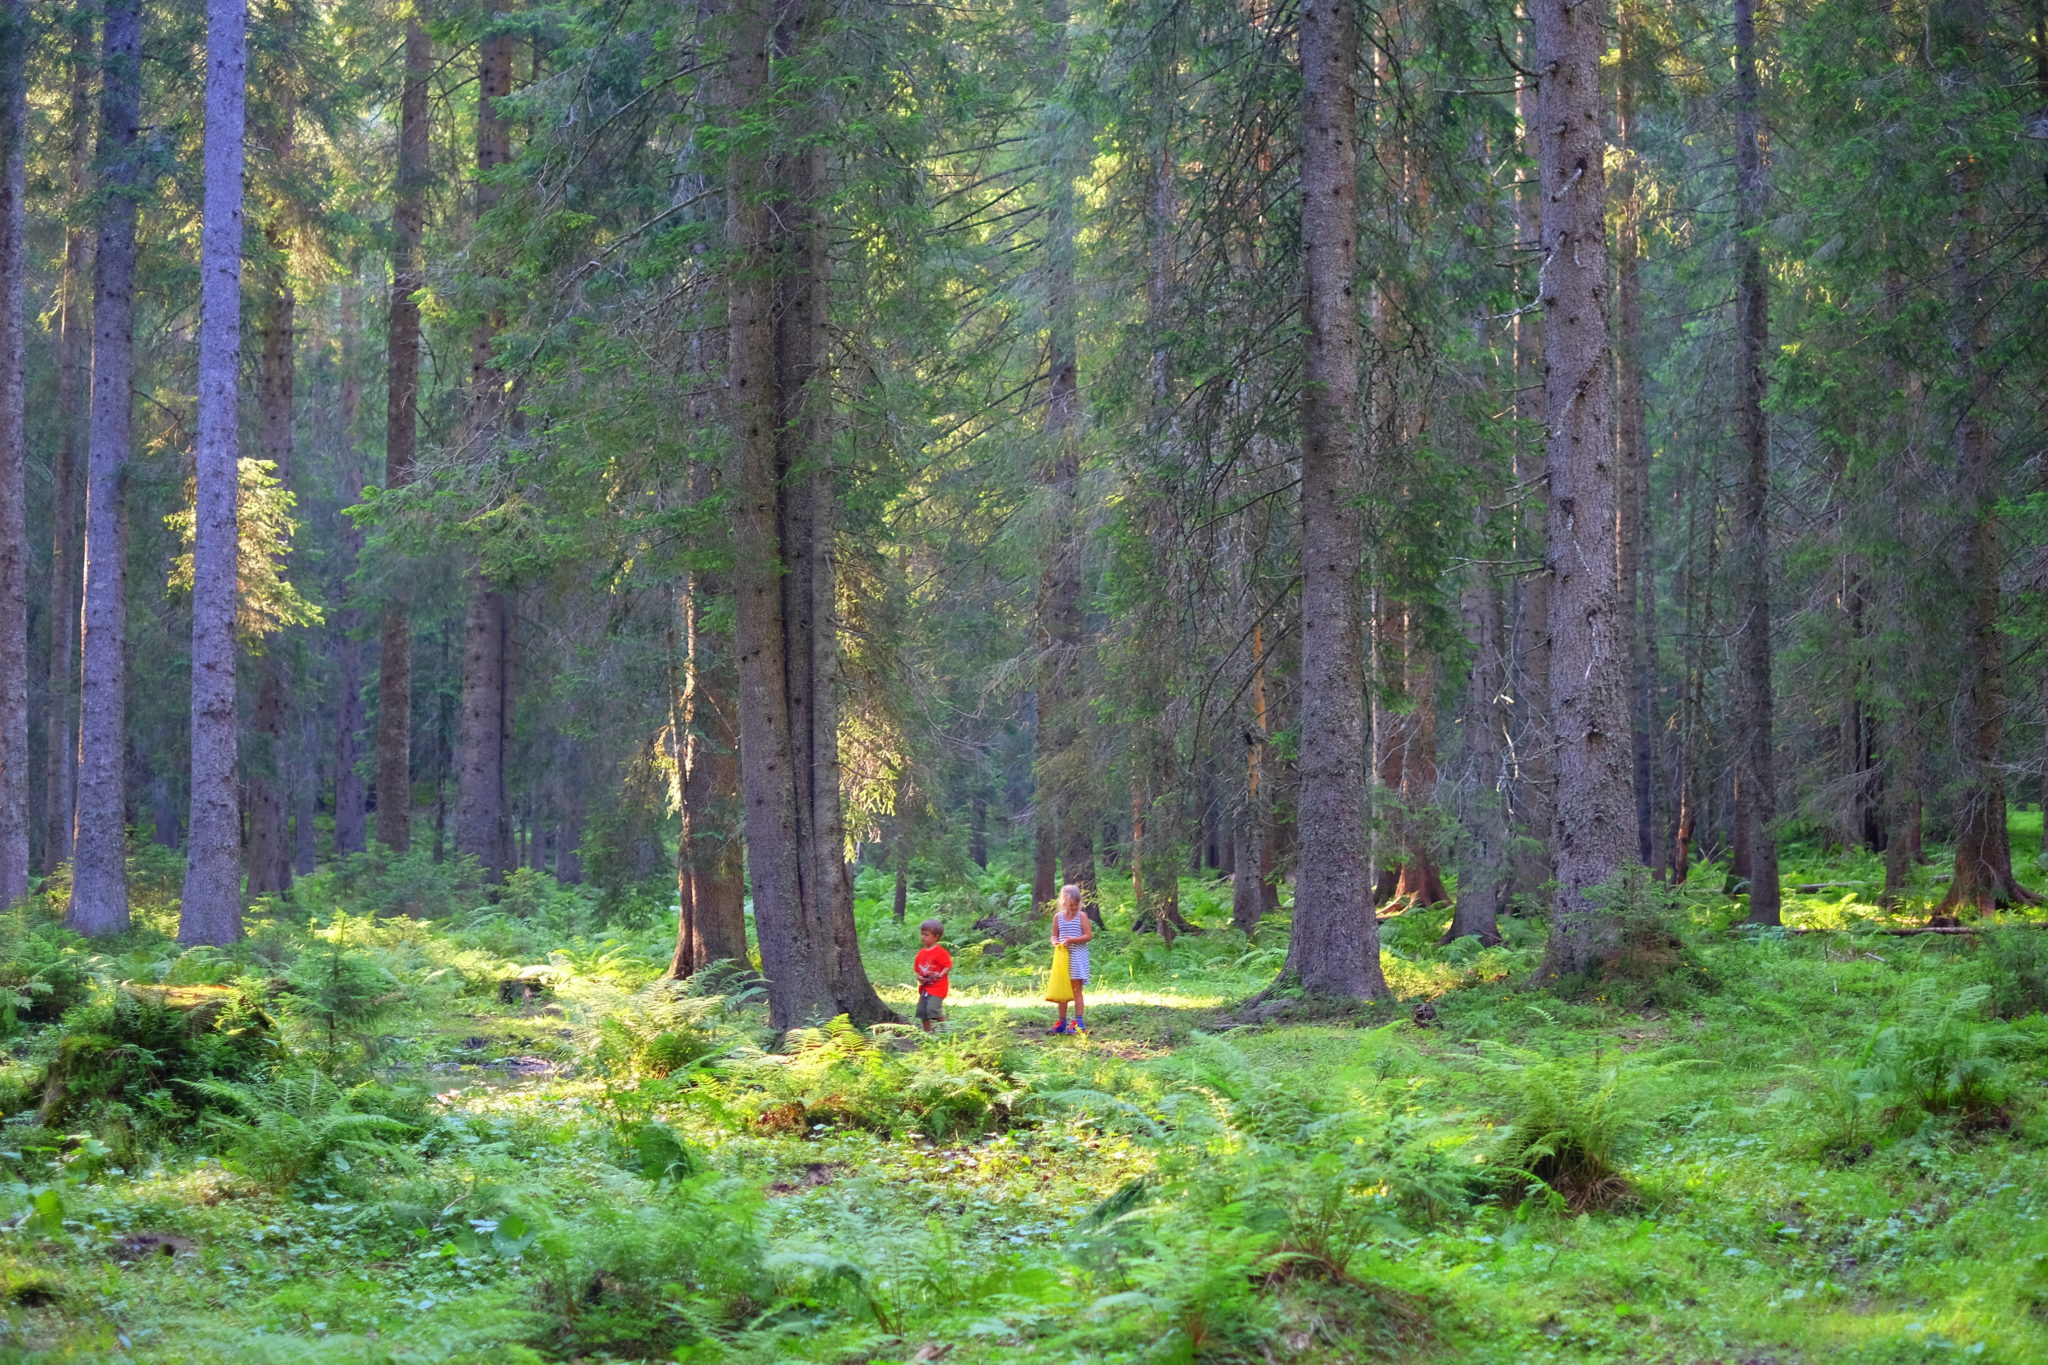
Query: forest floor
{"points": [[1752, 1147]]}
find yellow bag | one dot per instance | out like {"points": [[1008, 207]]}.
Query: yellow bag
{"points": [[1059, 988]]}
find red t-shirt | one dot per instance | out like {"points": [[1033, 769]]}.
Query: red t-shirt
{"points": [[934, 961]]}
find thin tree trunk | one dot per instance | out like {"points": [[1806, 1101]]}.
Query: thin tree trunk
{"points": [[1532, 794], [710, 868], [480, 811], [481, 815], [267, 764], [1060, 807], [211, 908], [1483, 879], [1421, 880], [1595, 834], [1631, 429], [99, 875], [1334, 950], [351, 795], [1758, 811], [401, 426], [902, 898], [306, 804], [60, 783], [15, 39], [1252, 827]]}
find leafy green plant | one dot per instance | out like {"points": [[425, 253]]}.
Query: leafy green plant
{"points": [[1942, 1058], [42, 970], [2016, 968], [288, 1127], [340, 994], [128, 1063], [837, 1076], [1573, 1123], [1654, 964], [642, 1282]]}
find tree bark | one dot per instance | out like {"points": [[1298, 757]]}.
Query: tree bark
{"points": [[480, 810], [60, 781], [266, 766], [1532, 796], [1595, 836], [1983, 880], [783, 524], [1252, 829], [1483, 879], [1638, 600], [211, 908], [1421, 880], [1061, 768], [1758, 810], [351, 794], [99, 875], [710, 853], [1065, 817], [401, 427], [15, 39], [1334, 950], [482, 827]]}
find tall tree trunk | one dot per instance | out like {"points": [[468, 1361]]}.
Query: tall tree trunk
{"points": [[783, 524], [99, 869], [351, 796], [1638, 601], [710, 867], [1062, 777], [211, 908], [401, 426], [480, 808], [1252, 828], [1335, 946], [60, 782], [1595, 835], [1421, 880], [1758, 811], [810, 528], [15, 38], [1984, 880], [1483, 863], [1532, 794], [267, 765], [481, 815]]}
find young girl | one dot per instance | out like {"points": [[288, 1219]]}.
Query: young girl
{"points": [[1071, 927]]}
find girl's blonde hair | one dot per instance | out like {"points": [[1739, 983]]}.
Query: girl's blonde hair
{"points": [[1070, 892]]}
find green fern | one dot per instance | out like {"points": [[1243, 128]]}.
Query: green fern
{"points": [[287, 1128]]}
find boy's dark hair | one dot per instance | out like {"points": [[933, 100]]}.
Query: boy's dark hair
{"points": [[933, 925]]}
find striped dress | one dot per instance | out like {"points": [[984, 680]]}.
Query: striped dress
{"points": [[1069, 928]]}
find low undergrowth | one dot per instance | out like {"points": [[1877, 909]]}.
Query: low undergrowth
{"points": [[351, 1140]]}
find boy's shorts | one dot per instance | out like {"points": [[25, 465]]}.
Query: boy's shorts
{"points": [[932, 1007]]}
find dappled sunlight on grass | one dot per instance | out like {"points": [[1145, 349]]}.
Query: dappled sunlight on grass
{"points": [[555, 1159]]}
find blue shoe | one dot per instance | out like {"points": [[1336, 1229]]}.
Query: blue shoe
{"points": [[1060, 1027]]}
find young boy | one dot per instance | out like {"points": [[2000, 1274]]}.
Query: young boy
{"points": [[933, 966]]}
